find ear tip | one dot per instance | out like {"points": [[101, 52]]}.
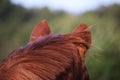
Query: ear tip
{"points": [[40, 30], [43, 21], [83, 26], [87, 34]]}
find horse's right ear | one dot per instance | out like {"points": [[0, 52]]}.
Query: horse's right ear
{"points": [[42, 29], [84, 32]]}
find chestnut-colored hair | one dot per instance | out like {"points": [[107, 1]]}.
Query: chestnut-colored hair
{"points": [[48, 56]]}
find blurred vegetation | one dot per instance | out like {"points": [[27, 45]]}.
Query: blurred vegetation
{"points": [[16, 24]]}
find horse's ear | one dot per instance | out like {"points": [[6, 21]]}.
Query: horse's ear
{"points": [[42, 29], [81, 28], [84, 32]]}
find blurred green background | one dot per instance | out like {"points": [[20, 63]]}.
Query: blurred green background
{"points": [[16, 24]]}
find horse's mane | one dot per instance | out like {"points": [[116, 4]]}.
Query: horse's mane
{"points": [[47, 58]]}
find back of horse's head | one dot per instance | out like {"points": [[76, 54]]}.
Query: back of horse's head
{"points": [[48, 56]]}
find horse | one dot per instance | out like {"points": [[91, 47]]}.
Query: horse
{"points": [[49, 56]]}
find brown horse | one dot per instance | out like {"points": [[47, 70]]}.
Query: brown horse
{"points": [[48, 56]]}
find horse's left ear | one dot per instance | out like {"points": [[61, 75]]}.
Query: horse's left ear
{"points": [[42, 29], [84, 32]]}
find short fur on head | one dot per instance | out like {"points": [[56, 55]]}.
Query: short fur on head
{"points": [[48, 56]]}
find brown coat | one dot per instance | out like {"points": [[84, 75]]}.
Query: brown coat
{"points": [[48, 56]]}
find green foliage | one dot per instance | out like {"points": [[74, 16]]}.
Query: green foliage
{"points": [[16, 24]]}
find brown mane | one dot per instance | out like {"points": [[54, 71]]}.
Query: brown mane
{"points": [[52, 57]]}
